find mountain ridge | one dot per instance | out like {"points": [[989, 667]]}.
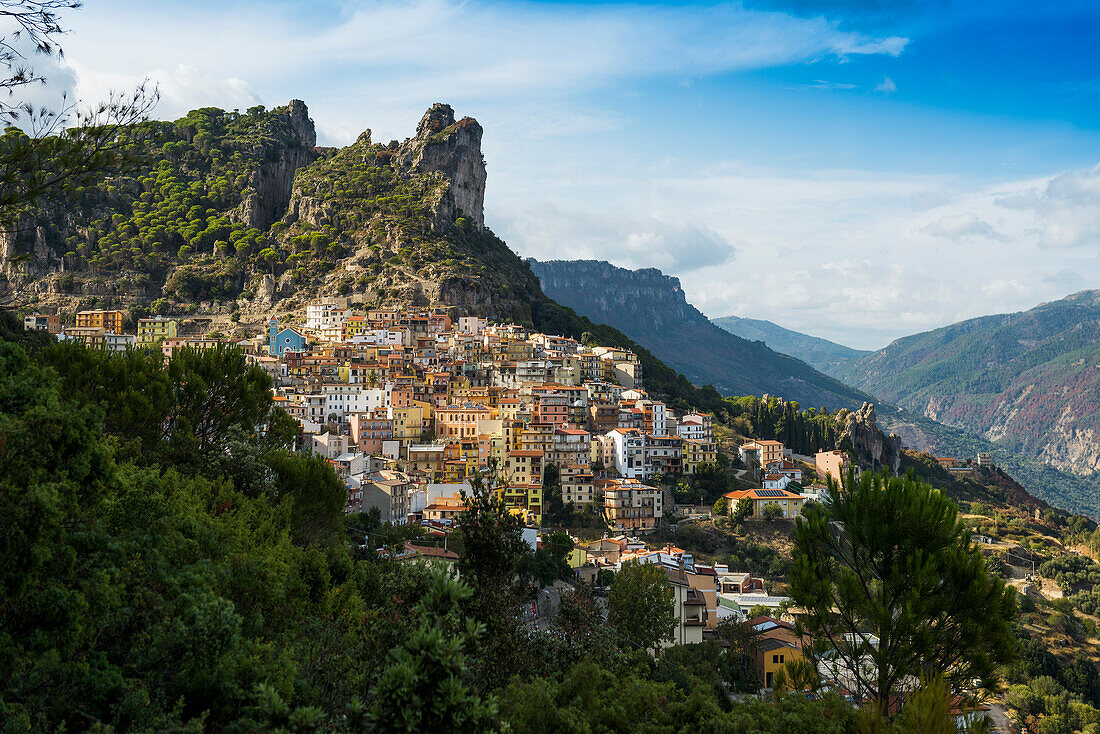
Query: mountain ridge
{"points": [[650, 307], [821, 354], [240, 216], [1027, 380]]}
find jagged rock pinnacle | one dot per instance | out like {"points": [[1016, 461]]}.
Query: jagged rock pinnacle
{"points": [[438, 117]]}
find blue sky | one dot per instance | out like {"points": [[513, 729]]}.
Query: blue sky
{"points": [[856, 170]]}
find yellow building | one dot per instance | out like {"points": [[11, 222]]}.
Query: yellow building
{"points": [[354, 326], [524, 500], [110, 321], [156, 330], [522, 481], [460, 421], [777, 644], [789, 503], [409, 422], [697, 453], [523, 467]]}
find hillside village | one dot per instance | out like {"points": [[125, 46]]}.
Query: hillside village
{"points": [[410, 406]]}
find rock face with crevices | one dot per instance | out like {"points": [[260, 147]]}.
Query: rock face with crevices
{"points": [[873, 448], [408, 222], [452, 150], [272, 182]]}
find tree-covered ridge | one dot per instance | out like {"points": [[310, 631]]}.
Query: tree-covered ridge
{"points": [[176, 205]]}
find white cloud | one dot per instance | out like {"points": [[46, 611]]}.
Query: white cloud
{"points": [[886, 86], [826, 84], [856, 256], [548, 233], [182, 88], [962, 226], [1066, 210], [382, 63]]}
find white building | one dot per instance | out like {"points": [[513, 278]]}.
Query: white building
{"points": [[342, 400], [118, 342], [472, 325], [695, 427], [627, 452], [329, 445], [325, 314], [776, 481]]}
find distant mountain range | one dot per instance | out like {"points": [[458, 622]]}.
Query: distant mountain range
{"points": [[1022, 387], [821, 354], [650, 308], [1029, 381]]}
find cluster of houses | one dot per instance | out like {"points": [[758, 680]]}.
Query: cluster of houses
{"points": [[408, 405]]}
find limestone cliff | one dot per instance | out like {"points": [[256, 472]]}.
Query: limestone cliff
{"points": [[874, 449], [401, 223], [651, 308], [271, 183], [452, 150]]}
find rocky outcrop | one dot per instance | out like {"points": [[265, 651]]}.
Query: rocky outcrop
{"points": [[272, 183], [611, 291], [874, 449], [452, 150]]}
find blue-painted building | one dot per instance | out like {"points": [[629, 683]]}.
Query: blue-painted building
{"points": [[280, 340]]}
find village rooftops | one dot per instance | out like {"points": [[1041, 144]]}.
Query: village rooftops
{"points": [[762, 494]]}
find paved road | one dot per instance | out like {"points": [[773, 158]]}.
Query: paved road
{"points": [[1001, 722]]}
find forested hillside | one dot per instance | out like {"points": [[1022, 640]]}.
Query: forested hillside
{"points": [[167, 567]]}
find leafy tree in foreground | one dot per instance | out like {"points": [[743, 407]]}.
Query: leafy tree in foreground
{"points": [[640, 604], [889, 558], [494, 555], [427, 685]]}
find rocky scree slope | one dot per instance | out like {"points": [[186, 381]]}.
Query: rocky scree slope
{"points": [[650, 307]]}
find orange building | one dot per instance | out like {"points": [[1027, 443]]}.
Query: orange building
{"points": [[111, 321]]}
